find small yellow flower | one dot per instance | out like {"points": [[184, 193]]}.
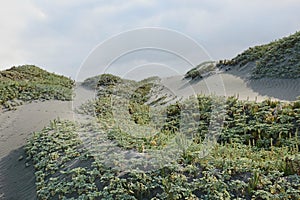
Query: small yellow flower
{"points": [[153, 143]]}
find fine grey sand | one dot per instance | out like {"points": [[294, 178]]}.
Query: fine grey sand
{"points": [[16, 180], [18, 124], [227, 84]]}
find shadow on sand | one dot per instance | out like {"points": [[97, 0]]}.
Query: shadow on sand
{"points": [[16, 180], [283, 89]]}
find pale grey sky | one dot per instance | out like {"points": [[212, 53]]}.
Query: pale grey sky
{"points": [[58, 35]]}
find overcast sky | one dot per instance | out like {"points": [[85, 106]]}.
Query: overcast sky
{"points": [[59, 35]]}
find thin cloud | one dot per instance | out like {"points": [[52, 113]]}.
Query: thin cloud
{"points": [[59, 34]]}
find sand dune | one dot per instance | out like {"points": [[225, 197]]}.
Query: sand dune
{"points": [[227, 84], [282, 89], [16, 180], [31, 117]]}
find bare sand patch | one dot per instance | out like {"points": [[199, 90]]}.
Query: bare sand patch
{"points": [[226, 84], [17, 180]]}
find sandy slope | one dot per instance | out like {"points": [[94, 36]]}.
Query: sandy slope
{"points": [[227, 84], [16, 125], [17, 180]]}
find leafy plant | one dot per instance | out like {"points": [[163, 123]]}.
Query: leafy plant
{"points": [[28, 82]]}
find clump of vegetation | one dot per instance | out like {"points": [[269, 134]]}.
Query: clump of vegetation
{"points": [[28, 82], [106, 80], [278, 59], [201, 70], [103, 80], [58, 158], [256, 155]]}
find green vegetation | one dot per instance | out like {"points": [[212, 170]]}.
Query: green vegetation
{"points": [[278, 59], [103, 80], [91, 83], [256, 155], [200, 70], [106, 80], [28, 82]]}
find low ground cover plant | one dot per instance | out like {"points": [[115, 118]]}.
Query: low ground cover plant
{"points": [[27, 83], [256, 154]]}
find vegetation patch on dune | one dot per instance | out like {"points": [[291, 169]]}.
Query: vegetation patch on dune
{"points": [[101, 80], [201, 70], [28, 82], [278, 59], [256, 155]]}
